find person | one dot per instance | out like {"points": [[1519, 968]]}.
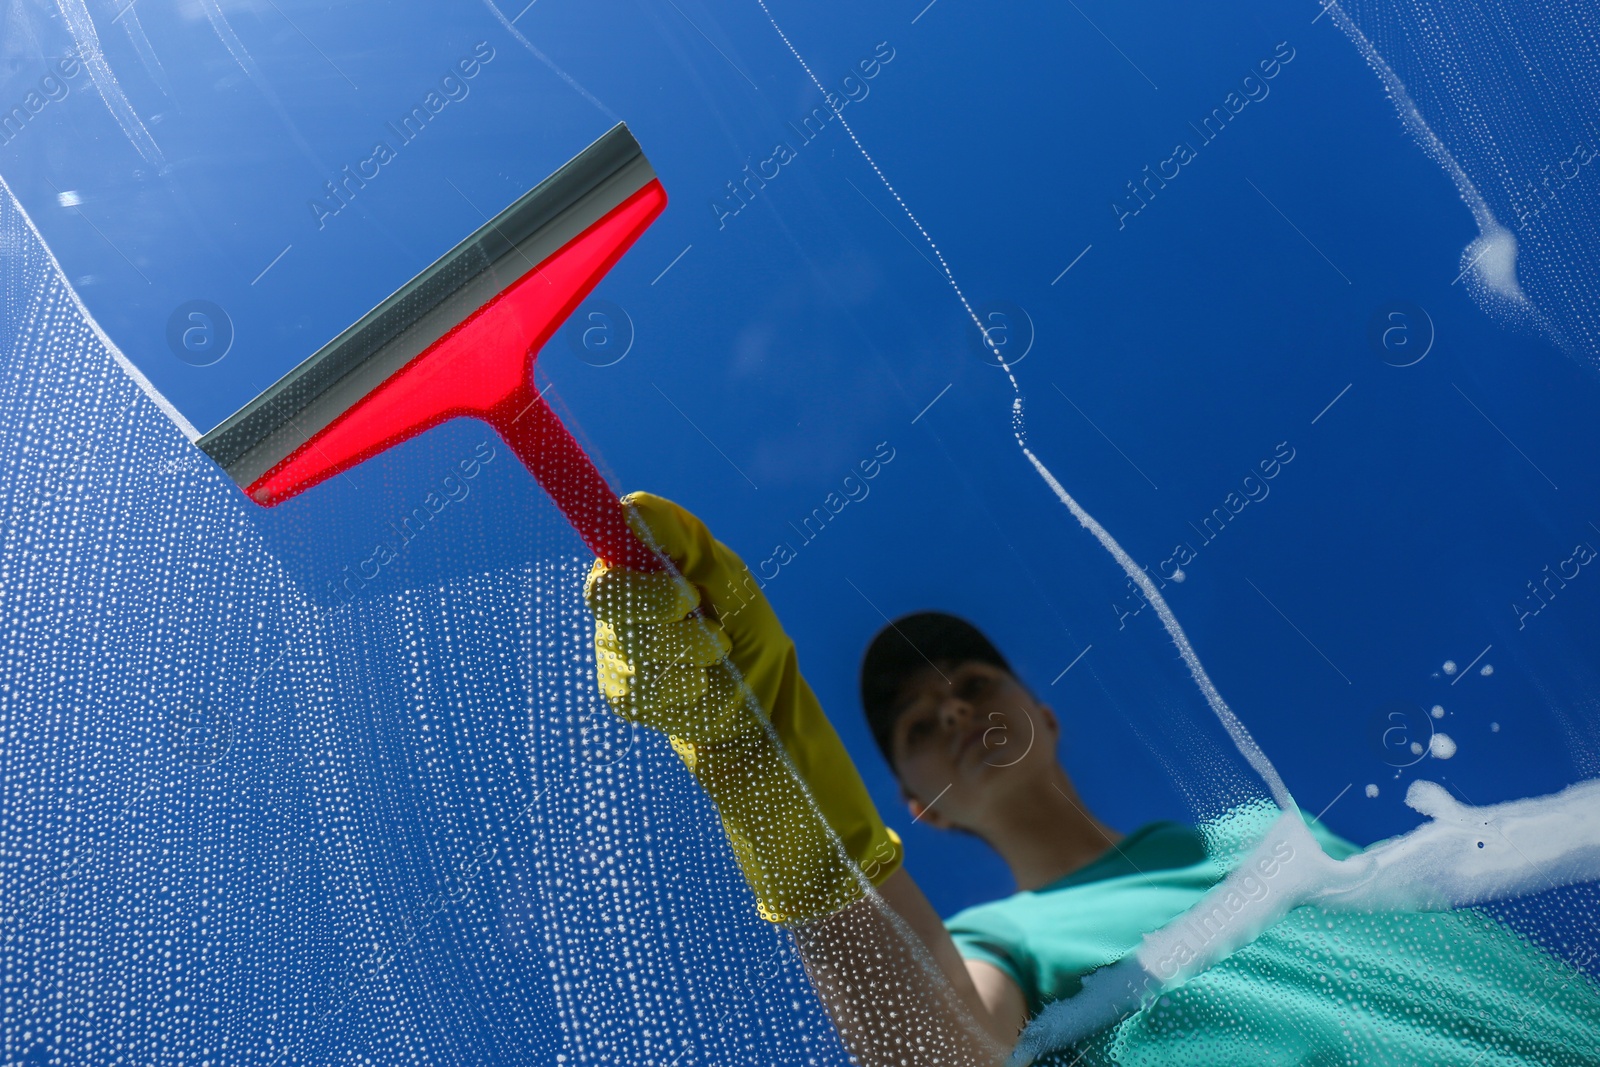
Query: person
{"points": [[697, 652]]}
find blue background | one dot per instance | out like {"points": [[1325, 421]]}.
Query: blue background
{"points": [[795, 336]]}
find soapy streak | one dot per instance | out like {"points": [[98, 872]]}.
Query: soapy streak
{"points": [[742, 193], [86, 44], [1241, 737], [1464, 855], [1446, 863]]}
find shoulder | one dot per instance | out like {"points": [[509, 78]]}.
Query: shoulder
{"points": [[997, 934]]}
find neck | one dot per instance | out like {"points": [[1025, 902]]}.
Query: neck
{"points": [[1045, 832]]}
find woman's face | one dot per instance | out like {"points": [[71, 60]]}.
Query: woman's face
{"points": [[968, 736]]}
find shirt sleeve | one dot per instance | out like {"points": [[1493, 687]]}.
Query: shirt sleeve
{"points": [[984, 934]]}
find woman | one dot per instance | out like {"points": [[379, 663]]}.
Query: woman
{"points": [[699, 655]]}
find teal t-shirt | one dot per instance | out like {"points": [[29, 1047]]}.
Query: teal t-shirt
{"points": [[1439, 988]]}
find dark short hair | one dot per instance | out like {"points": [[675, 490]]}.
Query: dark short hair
{"points": [[906, 646]]}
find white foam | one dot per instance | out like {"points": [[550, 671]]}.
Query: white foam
{"points": [[1492, 259], [1463, 856], [1492, 256], [1441, 746], [1448, 862], [1236, 730]]}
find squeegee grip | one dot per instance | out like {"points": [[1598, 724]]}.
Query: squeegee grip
{"points": [[547, 448]]}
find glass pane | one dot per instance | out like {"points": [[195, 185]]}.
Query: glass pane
{"points": [[1229, 368]]}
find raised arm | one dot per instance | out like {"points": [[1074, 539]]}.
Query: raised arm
{"points": [[697, 652], [989, 994]]}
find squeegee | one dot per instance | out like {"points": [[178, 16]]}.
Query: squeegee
{"points": [[460, 340]]}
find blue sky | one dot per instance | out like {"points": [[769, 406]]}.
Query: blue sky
{"points": [[1174, 348]]}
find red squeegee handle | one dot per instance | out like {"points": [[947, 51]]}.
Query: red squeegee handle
{"points": [[483, 368], [555, 459]]}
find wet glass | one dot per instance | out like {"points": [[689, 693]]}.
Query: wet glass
{"points": [[1232, 369]]}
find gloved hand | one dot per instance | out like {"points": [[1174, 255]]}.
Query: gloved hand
{"points": [[703, 658]]}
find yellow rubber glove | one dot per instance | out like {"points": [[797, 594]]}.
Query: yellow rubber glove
{"points": [[670, 653]]}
